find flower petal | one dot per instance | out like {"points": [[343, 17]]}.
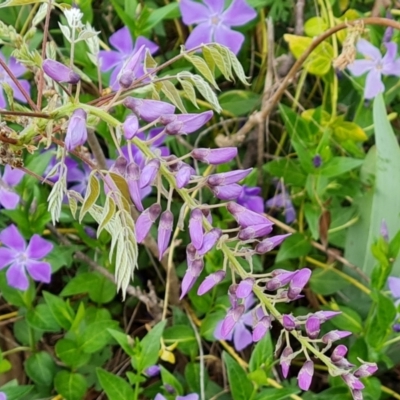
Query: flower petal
{"points": [[238, 13], [368, 50], [12, 176], [16, 68], [38, 247], [6, 257], [216, 6], [193, 12], [12, 238], [373, 84], [8, 199], [17, 93], [394, 286], [229, 38], [122, 40], [201, 34], [114, 84], [110, 59], [3, 103], [218, 332], [39, 271], [241, 337], [16, 277], [391, 53], [142, 41], [360, 67]]}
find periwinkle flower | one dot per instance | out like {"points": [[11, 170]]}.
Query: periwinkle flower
{"points": [[114, 60], [60, 72], [22, 258], [191, 396], [375, 65], [214, 156], [11, 177], [152, 371], [305, 375], [270, 243], [148, 110], [183, 124], [146, 220], [214, 24], [164, 232], [282, 200], [18, 70], [130, 126], [76, 131], [3, 396], [210, 281], [251, 199]]}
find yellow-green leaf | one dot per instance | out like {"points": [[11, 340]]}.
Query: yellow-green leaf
{"points": [[92, 193], [108, 213], [223, 63], [189, 91], [203, 68], [315, 26], [345, 130], [172, 94], [308, 115], [319, 61], [122, 187], [10, 3]]}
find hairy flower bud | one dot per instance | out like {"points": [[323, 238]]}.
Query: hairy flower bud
{"points": [[130, 126], [227, 192], [298, 282], [285, 360], [353, 382], [261, 328], [152, 371], [230, 320], [254, 231], [148, 110], [245, 217], [366, 369], [196, 228], [146, 220], [305, 375], [209, 240], [332, 336], [76, 131], [164, 232], [149, 173], [280, 280], [268, 244], [244, 288], [228, 178], [183, 124], [132, 178], [288, 322], [59, 72], [214, 156], [183, 175], [313, 327], [326, 315], [191, 275], [338, 353], [210, 281]]}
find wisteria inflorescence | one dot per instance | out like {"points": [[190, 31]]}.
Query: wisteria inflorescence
{"points": [[144, 165]]}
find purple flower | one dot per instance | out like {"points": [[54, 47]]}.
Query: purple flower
{"points": [[152, 371], [227, 192], [17, 69], [245, 217], [289, 322], [227, 178], [3, 396], [214, 156], [130, 126], [11, 177], [281, 278], [22, 258], [375, 65], [149, 173], [132, 178], [285, 360], [282, 200], [148, 110], [261, 328], [76, 131], [251, 199], [270, 243], [339, 353], [394, 286], [193, 271], [384, 231], [196, 228], [313, 327], [244, 288], [60, 72], [298, 282], [116, 59], [164, 232], [214, 23], [146, 220], [305, 375], [183, 124], [183, 175], [233, 327], [209, 240], [191, 396], [210, 281], [352, 382], [77, 175], [332, 336], [255, 231], [366, 369]]}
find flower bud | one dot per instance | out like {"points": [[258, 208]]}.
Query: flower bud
{"points": [[261, 328], [280, 280], [285, 360], [352, 382], [209, 240], [254, 231], [164, 232], [210, 281], [149, 173], [232, 295], [119, 167], [183, 175], [326, 315], [332, 336], [214, 156], [130, 126], [338, 353], [152, 371], [305, 375], [187, 123], [230, 320], [227, 192], [245, 217], [126, 79], [244, 288], [268, 244], [76, 131], [196, 228], [298, 282], [59, 72], [132, 178], [366, 369], [357, 395], [191, 275], [148, 110], [228, 178], [313, 327], [289, 322], [146, 220]]}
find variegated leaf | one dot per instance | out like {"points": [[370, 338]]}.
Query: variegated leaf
{"points": [[172, 94], [222, 61], [204, 88], [108, 213], [203, 68], [92, 194]]}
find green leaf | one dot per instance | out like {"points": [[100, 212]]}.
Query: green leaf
{"points": [[70, 353], [239, 102], [326, 282], [156, 16], [315, 26], [41, 318], [16, 392], [172, 94], [348, 320], [202, 67], [92, 193], [192, 377], [241, 387], [115, 387], [381, 203], [70, 385], [262, 353], [289, 170], [108, 212], [296, 245], [9, 3], [16, 297], [41, 368], [204, 88], [339, 165], [150, 347], [96, 335], [125, 341], [61, 311], [170, 379], [184, 336], [276, 394], [188, 90]]}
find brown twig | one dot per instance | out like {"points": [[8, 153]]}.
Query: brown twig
{"points": [[6, 139], [299, 17], [45, 34], [25, 114], [19, 86]]}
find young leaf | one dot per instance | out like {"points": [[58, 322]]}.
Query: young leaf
{"points": [[115, 387], [173, 95], [241, 387], [92, 193], [202, 67], [41, 368], [70, 385]]}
